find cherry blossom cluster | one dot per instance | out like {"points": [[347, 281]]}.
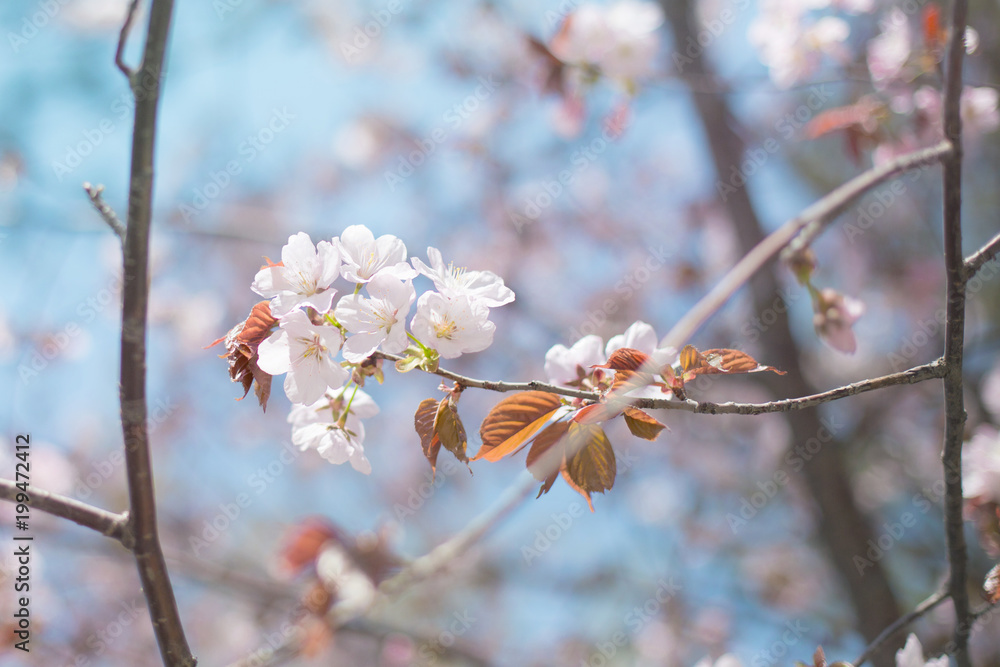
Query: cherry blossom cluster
{"points": [[618, 42], [324, 343], [896, 59], [792, 40]]}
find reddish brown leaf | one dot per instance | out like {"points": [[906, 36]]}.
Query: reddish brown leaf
{"points": [[642, 424], [592, 468], [241, 351], [258, 326], [711, 362], [595, 413], [423, 422], [545, 441], [935, 35], [449, 430], [304, 542], [626, 359], [513, 421], [690, 358], [991, 586]]}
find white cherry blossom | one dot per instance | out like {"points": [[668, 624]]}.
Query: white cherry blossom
{"points": [[621, 39], [378, 319], [364, 255], [888, 53], [981, 466], [727, 660], [567, 366], [912, 655], [452, 281], [307, 353], [336, 436], [454, 326], [304, 278]]}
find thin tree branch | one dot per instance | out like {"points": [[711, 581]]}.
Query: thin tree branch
{"points": [[954, 341], [500, 385], [432, 563], [104, 522], [107, 213], [978, 259], [122, 38], [135, 290], [795, 234], [918, 611], [934, 369]]}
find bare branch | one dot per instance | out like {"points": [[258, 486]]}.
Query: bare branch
{"points": [[794, 234], [107, 213], [918, 611], [135, 291], [954, 339], [935, 369], [122, 38], [981, 257], [914, 375], [106, 523], [500, 386]]}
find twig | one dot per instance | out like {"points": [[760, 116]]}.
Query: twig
{"points": [[107, 213], [934, 369], [914, 375], [122, 38], [135, 290], [796, 233], [954, 406], [978, 259], [500, 386], [918, 611], [104, 522]]}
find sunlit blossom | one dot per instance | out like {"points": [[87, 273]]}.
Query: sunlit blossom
{"points": [[304, 277], [307, 353]]}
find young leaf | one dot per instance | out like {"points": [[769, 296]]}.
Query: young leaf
{"points": [[423, 422], [545, 441], [513, 421], [711, 362], [625, 359], [241, 351], [642, 424], [449, 431], [593, 467]]}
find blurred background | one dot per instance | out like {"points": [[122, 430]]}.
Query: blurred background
{"points": [[602, 195]]}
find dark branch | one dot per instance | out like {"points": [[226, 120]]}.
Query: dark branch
{"points": [[796, 233], [921, 609], [104, 522], [982, 256], [954, 339], [135, 291], [107, 213], [935, 369], [122, 38]]}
